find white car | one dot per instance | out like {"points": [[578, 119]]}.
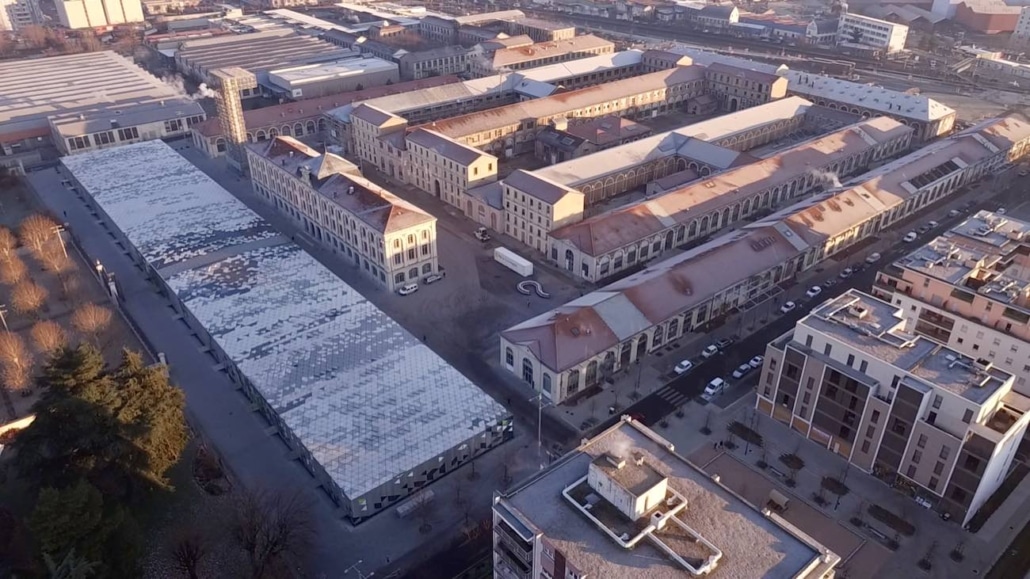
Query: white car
{"points": [[757, 362], [910, 237], [742, 371], [714, 388], [873, 258], [954, 213], [710, 351], [814, 291], [788, 307], [999, 211], [932, 224], [407, 290], [846, 273], [683, 367], [432, 278]]}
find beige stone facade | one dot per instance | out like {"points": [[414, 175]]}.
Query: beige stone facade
{"points": [[387, 238]]}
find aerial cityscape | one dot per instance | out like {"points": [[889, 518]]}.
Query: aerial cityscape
{"points": [[536, 289]]}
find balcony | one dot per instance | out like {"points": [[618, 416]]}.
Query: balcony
{"points": [[511, 566]]}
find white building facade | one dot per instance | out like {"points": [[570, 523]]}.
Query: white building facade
{"points": [[882, 34]]}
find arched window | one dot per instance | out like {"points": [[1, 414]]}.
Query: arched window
{"points": [[693, 229], [413, 273], [310, 126], [573, 381], [396, 243], [509, 356], [399, 278], [527, 370], [656, 339], [287, 131], [298, 129], [427, 268], [674, 327], [592, 373], [547, 383]]}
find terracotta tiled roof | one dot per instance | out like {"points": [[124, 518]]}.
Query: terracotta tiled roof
{"points": [[310, 109]]}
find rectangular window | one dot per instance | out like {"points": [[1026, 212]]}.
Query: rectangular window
{"points": [[875, 417], [933, 483], [865, 446], [937, 401], [869, 431], [863, 366], [917, 456], [967, 416], [827, 349], [938, 468], [945, 452], [851, 360], [971, 462], [910, 472], [411, 253], [921, 443]]}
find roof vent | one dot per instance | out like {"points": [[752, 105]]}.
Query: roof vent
{"points": [[638, 458], [574, 332], [350, 190], [857, 311], [614, 460]]}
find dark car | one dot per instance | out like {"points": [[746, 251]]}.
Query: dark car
{"points": [[724, 343]]}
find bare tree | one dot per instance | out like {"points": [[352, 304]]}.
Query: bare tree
{"points": [[12, 270], [34, 36], [8, 244], [37, 231], [459, 491], [189, 549], [15, 362], [91, 320], [48, 336], [28, 298], [275, 532], [423, 510], [55, 259]]}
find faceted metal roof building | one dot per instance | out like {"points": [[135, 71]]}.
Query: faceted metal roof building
{"points": [[376, 408]]}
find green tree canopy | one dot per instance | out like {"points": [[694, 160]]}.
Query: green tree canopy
{"points": [[73, 518]]}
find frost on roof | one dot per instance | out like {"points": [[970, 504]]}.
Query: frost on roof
{"points": [[171, 211], [367, 399]]}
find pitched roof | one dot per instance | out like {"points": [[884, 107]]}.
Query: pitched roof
{"points": [[444, 146]]}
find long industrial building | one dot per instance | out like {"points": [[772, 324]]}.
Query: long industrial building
{"points": [[929, 118], [365, 406], [611, 242], [577, 345], [83, 102]]}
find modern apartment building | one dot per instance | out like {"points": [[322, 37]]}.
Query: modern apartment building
{"points": [[575, 346], [77, 14], [17, 14], [881, 34], [970, 289], [388, 238], [623, 504], [852, 376]]}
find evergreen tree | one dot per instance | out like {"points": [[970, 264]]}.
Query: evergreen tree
{"points": [[73, 519]]}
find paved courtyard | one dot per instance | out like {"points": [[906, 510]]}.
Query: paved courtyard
{"points": [[864, 550]]}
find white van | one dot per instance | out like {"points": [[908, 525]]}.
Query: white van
{"points": [[409, 289], [714, 388]]}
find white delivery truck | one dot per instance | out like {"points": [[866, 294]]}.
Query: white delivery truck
{"points": [[513, 261]]}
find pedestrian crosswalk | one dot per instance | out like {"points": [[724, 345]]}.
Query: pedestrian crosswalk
{"points": [[670, 395]]}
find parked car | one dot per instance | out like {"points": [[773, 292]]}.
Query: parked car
{"points": [[873, 258], [932, 224], [814, 291], [788, 307], [1023, 172], [714, 388], [724, 343], [683, 367], [408, 289], [999, 211], [433, 278], [954, 213], [757, 361], [846, 273], [710, 351], [829, 283], [482, 235], [910, 237], [742, 371], [922, 229]]}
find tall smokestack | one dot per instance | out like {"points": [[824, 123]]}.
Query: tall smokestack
{"points": [[229, 82]]}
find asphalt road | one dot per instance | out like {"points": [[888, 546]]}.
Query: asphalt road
{"points": [[653, 408]]}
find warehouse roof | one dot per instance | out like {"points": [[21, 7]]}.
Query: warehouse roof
{"points": [[600, 320], [544, 50], [474, 123], [320, 72], [254, 53], [365, 397], [94, 83], [619, 227]]}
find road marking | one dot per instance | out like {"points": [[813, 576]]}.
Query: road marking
{"points": [[672, 396]]}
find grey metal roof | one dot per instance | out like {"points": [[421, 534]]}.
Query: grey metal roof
{"points": [[368, 400], [31, 90]]}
